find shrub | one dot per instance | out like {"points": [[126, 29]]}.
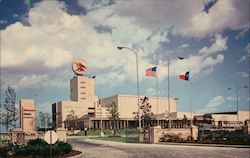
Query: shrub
{"points": [[172, 138], [39, 147], [6, 150]]}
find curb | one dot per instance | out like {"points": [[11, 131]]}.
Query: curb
{"points": [[77, 156], [207, 145]]}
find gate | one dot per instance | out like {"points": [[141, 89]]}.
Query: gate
{"points": [[145, 136], [132, 135]]}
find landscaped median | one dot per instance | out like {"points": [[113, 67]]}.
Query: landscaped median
{"points": [[124, 135], [98, 132], [116, 139]]}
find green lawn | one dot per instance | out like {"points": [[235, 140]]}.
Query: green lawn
{"points": [[98, 132], [117, 139]]}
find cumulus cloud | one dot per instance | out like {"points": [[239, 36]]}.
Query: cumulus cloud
{"points": [[219, 44], [231, 98], [51, 42], [243, 74], [247, 55], [184, 46], [44, 50], [203, 61], [187, 17], [213, 105]]}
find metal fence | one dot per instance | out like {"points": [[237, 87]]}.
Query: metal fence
{"points": [[135, 136], [132, 135]]}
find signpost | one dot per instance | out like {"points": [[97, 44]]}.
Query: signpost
{"points": [[51, 137]]}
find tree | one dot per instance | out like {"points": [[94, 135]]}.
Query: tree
{"points": [[71, 117], [114, 115], [184, 121], [146, 115], [9, 113], [42, 120]]}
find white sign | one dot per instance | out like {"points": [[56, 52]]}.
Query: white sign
{"points": [[50, 137], [79, 66]]}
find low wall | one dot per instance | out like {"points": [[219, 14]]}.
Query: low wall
{"points": [[156, 133]]}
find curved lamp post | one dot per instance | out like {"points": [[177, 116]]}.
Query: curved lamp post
{"points": [[120, 48]]}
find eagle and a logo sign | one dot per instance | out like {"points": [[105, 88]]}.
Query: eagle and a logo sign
{"points": [[79, 66]]}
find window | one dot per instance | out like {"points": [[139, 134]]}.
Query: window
{"points": [[26, 113], [83, 82], [83, 93], [83, 87], [83, 98]]}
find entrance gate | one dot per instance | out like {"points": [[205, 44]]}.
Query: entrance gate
{"points": [[132, 135]]}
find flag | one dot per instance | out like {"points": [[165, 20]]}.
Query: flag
{"points": [[151, 72], [185, 76]]}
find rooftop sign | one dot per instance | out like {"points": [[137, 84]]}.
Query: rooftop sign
{"points": [[79, 66]]}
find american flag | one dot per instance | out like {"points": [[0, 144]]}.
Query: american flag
{"points": [[151, 72]]}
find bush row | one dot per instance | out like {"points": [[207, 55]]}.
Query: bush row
{"points": [[35, 148]]}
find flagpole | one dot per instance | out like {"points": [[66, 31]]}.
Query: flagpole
{"points": [[157, 97], [169, 115], [191, 103]]}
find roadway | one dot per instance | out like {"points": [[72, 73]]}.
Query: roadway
{"points": [[107, 149]]}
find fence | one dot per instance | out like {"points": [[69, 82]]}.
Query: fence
{"points": [[132, 135]]}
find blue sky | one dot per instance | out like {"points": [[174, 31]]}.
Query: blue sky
{"points": [[40, 39]]}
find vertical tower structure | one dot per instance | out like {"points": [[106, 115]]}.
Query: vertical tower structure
{"points": [[82, 89], [27, 115]]}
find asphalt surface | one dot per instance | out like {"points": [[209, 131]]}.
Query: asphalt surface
{"points": [[106, 149]]}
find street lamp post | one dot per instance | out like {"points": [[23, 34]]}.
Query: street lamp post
{"points": [[237, 100], [137, 82]]}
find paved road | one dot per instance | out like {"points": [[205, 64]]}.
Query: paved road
{"points": [[104, 149]]}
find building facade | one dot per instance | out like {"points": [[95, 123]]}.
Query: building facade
{"points": [[226, 120], [83, 102], [27, 116], [85, 110]]}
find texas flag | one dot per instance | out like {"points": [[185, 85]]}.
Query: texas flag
{"points": [[185, 76]]}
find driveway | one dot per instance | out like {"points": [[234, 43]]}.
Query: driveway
{"points": [[107, 149]]}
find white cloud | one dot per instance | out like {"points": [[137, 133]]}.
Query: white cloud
{"points": [[187, 17], [243, 74], [51, 42], [185, 45], [213, 105], [91, 5], [203, 61], [219, 44], [247, 55], [231, 98]]}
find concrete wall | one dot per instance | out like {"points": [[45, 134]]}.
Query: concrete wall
{"points": [[156, 133]]}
